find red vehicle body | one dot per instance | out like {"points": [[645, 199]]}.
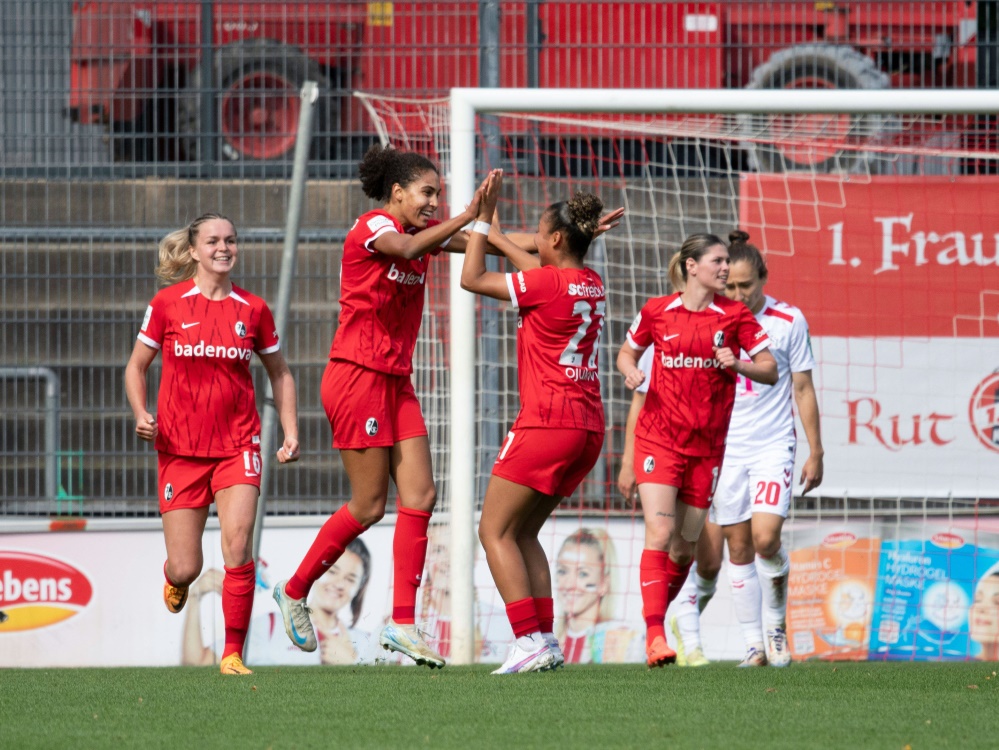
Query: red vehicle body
{"points": [[130, 61]]}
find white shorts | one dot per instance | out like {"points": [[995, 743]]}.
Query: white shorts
{"points": [[763, 484]]}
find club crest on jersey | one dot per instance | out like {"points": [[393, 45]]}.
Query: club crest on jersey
{"points": [[719, 339], [649, 464], [240, 328], [168, 492], [371, 427]]}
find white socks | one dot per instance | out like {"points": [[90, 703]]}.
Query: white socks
{"points": [[746, 599], [773, 574], [690, 602]]}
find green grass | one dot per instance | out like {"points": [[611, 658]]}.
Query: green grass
{"points": [[814, 705]]}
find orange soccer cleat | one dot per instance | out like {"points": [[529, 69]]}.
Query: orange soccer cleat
{"points": [[658, 653], [233, 664], [175, 597]]}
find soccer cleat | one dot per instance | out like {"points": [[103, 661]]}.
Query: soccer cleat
{"points": [[696, 658], [539, 658], [682, 660], [408, 640], [556, 650], [175, 597], [295, 614], [233, 664], [754, 658], [778, 654], [658, 653]]}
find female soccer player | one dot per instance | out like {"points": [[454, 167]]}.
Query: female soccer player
{"points": [[680, 435], [206, 428], [557, 437], [754, 489], [368, 395]]}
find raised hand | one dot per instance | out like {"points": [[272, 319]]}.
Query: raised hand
{"points": [[609, 221]]}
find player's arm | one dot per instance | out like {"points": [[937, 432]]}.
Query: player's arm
{"points": [[761, 369], [626, 477], [627, 365], [475, 277], [136, 389], [808, 411], [413, 246], [286, 403]]}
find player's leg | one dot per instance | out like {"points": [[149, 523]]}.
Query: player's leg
{"points": [[745, 591], [356, 402], [539, 572], [773, 565], [237, 510], [694, 596], [184, 498], [659, 509], [506, 512], [411, 468]]}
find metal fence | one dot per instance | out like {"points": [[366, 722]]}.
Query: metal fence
{"points": [[120, 121]]}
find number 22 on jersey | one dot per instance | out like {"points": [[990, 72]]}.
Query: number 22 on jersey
{"points": [[592, 313]]}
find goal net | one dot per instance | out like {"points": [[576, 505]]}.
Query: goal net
{"points": [[876, 214]]}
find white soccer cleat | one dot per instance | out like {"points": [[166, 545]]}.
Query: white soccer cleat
{"points": [[295, 614], [778, 654], [409, 640], [754, 658], [537, 658], [556, 650]]}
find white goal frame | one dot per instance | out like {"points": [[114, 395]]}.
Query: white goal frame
{"points": [[466, 103]]}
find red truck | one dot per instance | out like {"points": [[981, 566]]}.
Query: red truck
{"points": [[137, 67]]}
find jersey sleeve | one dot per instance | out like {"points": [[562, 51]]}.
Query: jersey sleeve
{"points": [[752, 336], [640, 332], [153, 327], [800, 354], [267, 335], [645, 364], [532, 288], [374, 227]]}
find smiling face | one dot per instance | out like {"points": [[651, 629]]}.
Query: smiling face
{"points": [[415, 204], [339, 585], [983, 615], [710, 270], [214, 248], [580, 579], [745, 285]]}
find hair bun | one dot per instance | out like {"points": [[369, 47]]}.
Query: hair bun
{"points": [[738, 236]]}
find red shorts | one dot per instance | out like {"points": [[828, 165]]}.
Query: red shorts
{"points": [[188, 482], [369, 409], [550, 460], [695, 476]]}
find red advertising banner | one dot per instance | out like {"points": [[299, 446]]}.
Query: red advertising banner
{"points": [[880, 256]]}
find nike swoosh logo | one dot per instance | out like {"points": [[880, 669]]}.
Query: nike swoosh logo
{"points": [[667, 338], [185, 326], [649, 583]]}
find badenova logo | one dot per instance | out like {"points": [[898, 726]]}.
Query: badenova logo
{"points": [[38, 591]]}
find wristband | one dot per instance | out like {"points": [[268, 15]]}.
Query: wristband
{"points": [[482, 227]]}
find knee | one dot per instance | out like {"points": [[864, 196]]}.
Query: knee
{"points": [[184, 572], [425, 500], [367, 511], [658, 539], [766, 546], [740, 553], [237, 552], [708, 570]]}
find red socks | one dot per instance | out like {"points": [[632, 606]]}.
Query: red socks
{"points": [[237, 604], [409, 553], [339, 530], [653, 576], [523, 617], [546, 613]]}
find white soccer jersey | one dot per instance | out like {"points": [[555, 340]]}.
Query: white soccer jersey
{"points": [[762, 416]]}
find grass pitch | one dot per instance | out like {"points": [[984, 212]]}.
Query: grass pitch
{"points": [[812, 705]]}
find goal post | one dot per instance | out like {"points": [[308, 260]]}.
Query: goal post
{"points": [[465, 167]]}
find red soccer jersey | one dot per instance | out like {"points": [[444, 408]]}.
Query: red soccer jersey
{"points": [[381, 299], [561, 316], [690, 398], [206, 406]]}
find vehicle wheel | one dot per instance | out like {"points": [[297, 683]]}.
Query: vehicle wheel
{"points": [[258, 104], [770, 143]]}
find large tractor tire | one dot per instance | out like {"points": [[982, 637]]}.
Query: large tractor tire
{"points": [[258, 103], [771, 145]]}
